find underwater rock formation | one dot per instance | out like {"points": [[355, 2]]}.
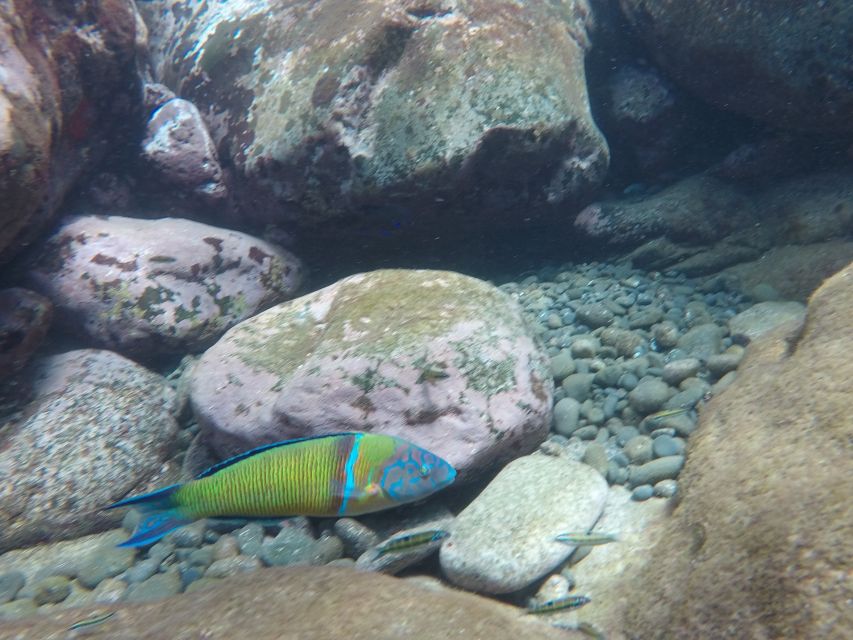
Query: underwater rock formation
{"points": [[760, 544], [326, 107], [70, 91], [782, 62], [441, 359], [148, 287]]}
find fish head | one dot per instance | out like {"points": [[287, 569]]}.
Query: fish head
{"points": [[413, 473]]}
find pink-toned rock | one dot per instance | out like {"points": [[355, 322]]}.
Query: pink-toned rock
{"points": [[179, 148], [24, 320], [69, 90], [435, 357], [153, 286], [99, 427]]}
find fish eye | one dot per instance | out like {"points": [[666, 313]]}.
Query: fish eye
{"points": [[424, 470]]}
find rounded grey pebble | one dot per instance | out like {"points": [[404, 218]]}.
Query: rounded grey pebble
{"points": [[642, 492], [104, 563], [190, 536], [595, 456], [665, 334], [625, 434], [616, 474], [51, 590], [656, 470], [719, 365], [10, 583], [356, 537], [639, 449], [649, 396], [666, 488], [566, 416], [588, 432], [142, 570], [189, 575], [290, 546], [201, 557], [578, 385], [161, 585], [665, 445], [250, 538], [585, 346], [645, 317], [110, 590], [595, 416], [675, 372], [562, 365], [594, 315], [232, 566], [620, 459], [225, 547], [161, 550]]}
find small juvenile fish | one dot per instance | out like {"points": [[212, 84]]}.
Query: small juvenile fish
{"points": [[432, 375], [667, 413], [585, 539], [586, 628], [91, 621], [411, 540], [558, 604]]}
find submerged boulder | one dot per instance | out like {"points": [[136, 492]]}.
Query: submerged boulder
{"points": [[69, 90], [761, 542], [99, 427], [307, 602], [435, 357], [160, 286], [326, 107], [782, 62]]}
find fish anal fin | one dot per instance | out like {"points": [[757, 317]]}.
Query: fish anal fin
{"points": [[154, 526]]}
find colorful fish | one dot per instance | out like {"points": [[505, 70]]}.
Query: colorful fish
{"points": [[558, 604], [342, 474], [92, 621], [411, 540]]}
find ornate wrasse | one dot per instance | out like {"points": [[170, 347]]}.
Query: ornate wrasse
{"points": [[343, 474]]}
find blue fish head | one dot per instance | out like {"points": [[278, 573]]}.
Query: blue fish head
{"points": [[414, 473]]}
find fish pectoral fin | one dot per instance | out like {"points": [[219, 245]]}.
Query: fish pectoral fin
{"points": [[154, 526]]}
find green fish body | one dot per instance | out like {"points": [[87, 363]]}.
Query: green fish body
{"points": [[344, 474], [585, 539], [559, 604]]}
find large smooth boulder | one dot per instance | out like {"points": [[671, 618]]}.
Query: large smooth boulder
{"points": [[69, 89], [782, 62], [98, 428], [761, 543], [438, 358], [306, 602], [146, 287], [323, 108]]}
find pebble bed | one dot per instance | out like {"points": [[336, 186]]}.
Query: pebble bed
{"points": [[624, 345]]}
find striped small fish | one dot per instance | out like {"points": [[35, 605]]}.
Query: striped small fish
{"points": [[92, 621], [342, 474], [411, 541], [582, 539], [559, 604]]}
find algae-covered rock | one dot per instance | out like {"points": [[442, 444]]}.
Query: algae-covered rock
{"points": [[760, 545], [435, 357], [327, 106], [152, 286]]}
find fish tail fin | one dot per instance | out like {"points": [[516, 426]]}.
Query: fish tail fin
{"points": [[161, 515]]}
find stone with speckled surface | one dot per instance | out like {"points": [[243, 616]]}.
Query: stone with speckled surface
{"points": [[152, 286], [504, 540], [438, 358], [98, 428]]}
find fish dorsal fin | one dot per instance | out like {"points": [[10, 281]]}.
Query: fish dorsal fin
{"points": [[248, 454]]}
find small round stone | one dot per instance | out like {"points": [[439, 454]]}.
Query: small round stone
{"points": [[566, 416], [10, 583], [649, 396], [578, 385], [625, 434], [201, 557], [656, 470], [250, 538], [643, 492], [666, 488], [158, 586], [585, 346], [639, 449], [594, 315], [666, 445], [191, 536], [587, 433], [17, 609], [675, 372], [110, 590], [595, 456], [226, 547], [104, 563], [51, 590], [721, 364], [562, 365], [142, 570], [356, 537], [665, 334], [616, 474], [232, 566]]}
